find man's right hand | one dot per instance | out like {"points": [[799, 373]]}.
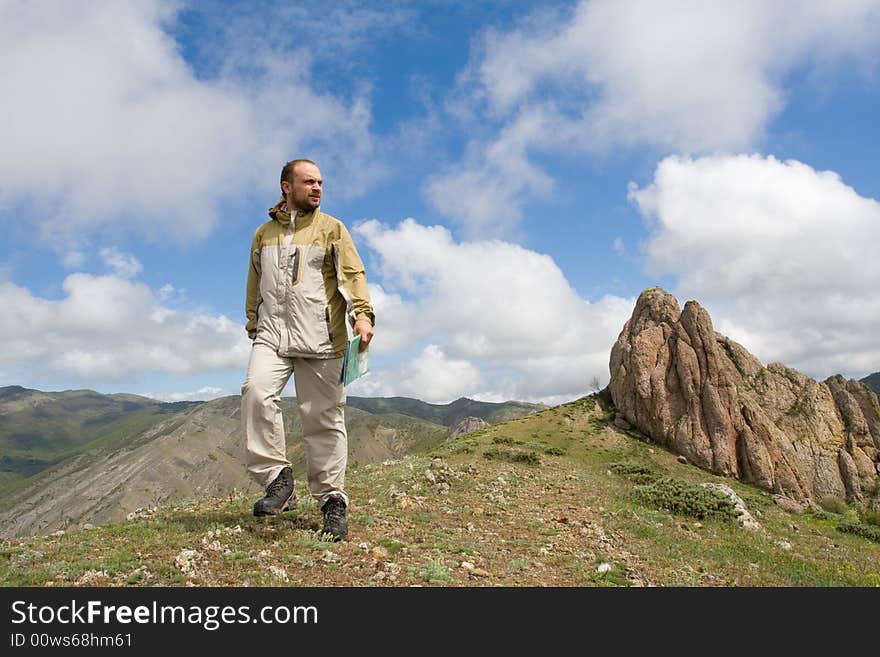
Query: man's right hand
{"points": [[363, 328]]}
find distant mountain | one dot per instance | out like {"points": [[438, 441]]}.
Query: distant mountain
{"points": [[39, 429], [873, 382], [95, 458], [447, 414]]}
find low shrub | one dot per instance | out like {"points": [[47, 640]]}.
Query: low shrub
{"points": [[529, 458], [871, 532], [685, 498], [834, 504], [639, 473]]}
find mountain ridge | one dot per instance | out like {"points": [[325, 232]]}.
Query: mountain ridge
{"points": [[172, 450]]}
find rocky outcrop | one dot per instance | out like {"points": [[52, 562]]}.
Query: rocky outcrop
{"points": [[467, 425], [706, 397]]}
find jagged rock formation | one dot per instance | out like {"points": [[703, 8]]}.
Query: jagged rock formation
{"points": [[704, 396], [466, 425]]}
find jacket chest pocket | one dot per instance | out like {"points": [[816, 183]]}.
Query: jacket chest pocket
{"points": [[295, 262]]}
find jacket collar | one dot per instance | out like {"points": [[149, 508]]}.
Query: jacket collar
{"points": [[281, 214]]}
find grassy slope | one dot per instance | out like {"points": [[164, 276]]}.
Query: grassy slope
{"points": [[509, 520], [42, 429], [446, 414]]}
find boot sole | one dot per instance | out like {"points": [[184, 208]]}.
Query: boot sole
{"points": [[284, 507]]}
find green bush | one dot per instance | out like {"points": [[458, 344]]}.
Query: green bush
{"points": [[871, 517], [530, 458], [685, 498], [639, 473], [871, 532], [554, 451], [833, 504]]}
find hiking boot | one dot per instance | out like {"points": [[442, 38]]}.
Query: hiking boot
{"points": [[334, 518], [279, 495]]}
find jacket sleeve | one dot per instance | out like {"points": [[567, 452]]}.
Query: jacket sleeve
{"points": [[352, 279], [252, 297]]}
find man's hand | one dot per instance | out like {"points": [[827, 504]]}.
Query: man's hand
{"points": [[365, 330]]}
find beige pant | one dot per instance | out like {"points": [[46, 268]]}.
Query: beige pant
{"points": [[321, 400]]}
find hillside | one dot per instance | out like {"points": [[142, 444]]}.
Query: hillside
{"points": [[558, 498], [873, 382], [446, 414], [155, 453], [40, 429]]}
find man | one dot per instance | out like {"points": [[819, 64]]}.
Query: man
{"points": [[305, 278]]}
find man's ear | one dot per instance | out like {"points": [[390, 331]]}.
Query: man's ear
{"points": [[286, 187]]}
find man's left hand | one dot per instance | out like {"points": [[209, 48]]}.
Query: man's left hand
{"points": [[363, 328]]}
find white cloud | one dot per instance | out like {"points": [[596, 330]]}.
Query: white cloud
{"points": [[678, 76], [485, 192], [204, 393], [782, 255], [433, 377], [124, 265], [104, 122], [73, 259], [491, 319], [108, 328]]}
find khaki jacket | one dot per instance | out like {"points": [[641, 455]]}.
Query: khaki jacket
{"points": [[304, 278]]}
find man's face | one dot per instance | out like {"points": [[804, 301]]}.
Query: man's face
{"points": [[305, 192]]}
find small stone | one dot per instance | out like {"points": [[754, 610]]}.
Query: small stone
{"points": [[603, 567], [379, 576], [467, 565], [329, 557], [479, 572], [681, 459], [430, 476], [364, 545], [698, 525], [785, 545], [60, 532], [650, 451], [279, 573]]}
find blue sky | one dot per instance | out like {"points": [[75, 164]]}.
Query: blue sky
{"points": [[514, 175]]}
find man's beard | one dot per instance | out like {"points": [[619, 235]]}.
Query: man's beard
{"points": [[306, 206]]}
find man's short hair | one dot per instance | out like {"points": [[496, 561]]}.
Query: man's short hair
{"points": [[290, 167]]}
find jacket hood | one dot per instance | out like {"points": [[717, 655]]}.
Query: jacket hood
{"points": [[281, 214]]}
